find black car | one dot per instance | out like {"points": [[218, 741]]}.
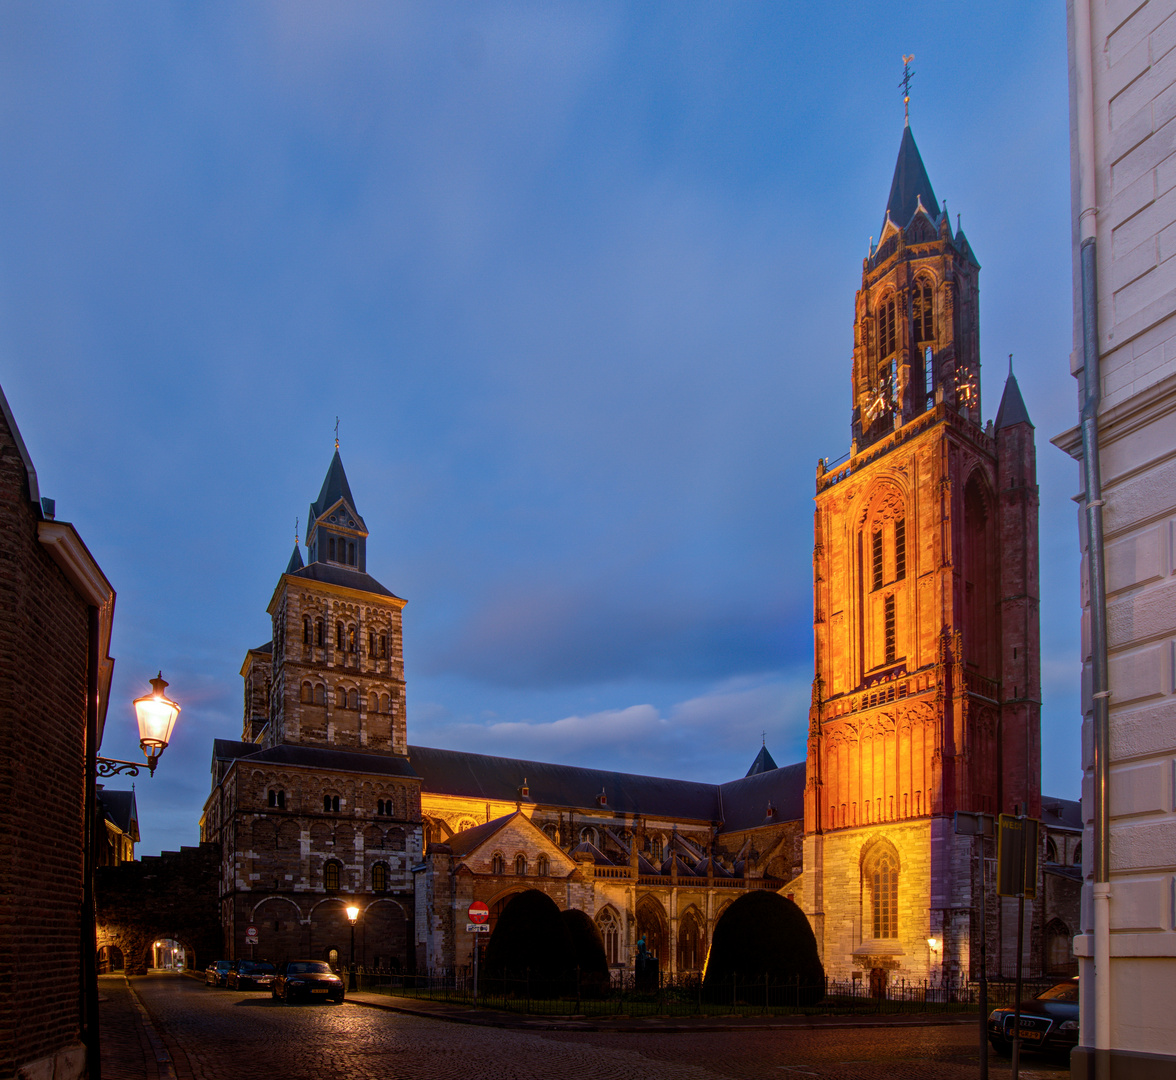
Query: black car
{"points": [[217, 972], [250, 975], [311, 980], [1048, 1021]]}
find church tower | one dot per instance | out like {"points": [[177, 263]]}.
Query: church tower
{"points": [[926, 696], [333, 676]]}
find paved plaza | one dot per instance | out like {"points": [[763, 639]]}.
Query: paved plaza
{"points": [[164, 1026]]}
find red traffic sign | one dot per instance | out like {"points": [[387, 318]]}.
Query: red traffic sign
{"points": [[479, 912], [251, 933]]}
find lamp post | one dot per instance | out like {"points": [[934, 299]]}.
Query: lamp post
{"points": [[352, 915], [156, 714]]}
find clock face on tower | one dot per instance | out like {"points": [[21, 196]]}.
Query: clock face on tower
{"points": [[881, 400]]}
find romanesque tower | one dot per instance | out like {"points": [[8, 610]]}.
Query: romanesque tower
{"points": [[333, 676], [926, 696]]}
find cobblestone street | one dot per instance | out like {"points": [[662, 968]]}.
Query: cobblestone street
{"points": [[204, 1034]]}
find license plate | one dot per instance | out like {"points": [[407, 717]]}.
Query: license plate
{"points": [[318, 991], [1025, 1034]]}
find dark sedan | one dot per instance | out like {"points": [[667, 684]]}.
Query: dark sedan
{"points": [[250, 975], [1048, 1021], [310, 980], [217, 972]]}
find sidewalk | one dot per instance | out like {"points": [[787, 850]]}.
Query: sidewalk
{"points": [[131, 1049], [463, 1014]]}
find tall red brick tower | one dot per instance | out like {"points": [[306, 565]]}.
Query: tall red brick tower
{"points": [[926, 696]]}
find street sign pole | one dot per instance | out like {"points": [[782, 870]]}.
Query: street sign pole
{"points": [[980, 827], [1016, 875], [476, 951]]}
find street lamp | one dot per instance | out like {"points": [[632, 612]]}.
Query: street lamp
{"points": [[352, 915], [156, 714]]}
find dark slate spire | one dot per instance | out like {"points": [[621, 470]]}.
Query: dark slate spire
{"points": [[1012, 406], [295, 562], [763, 763], [910, 184], [335, 487]]}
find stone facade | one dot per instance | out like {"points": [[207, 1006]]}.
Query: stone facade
{"points": [[927, 697], [1123, 169], [54, 656]]}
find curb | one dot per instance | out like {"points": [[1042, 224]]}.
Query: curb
{"points": [[499, 1020]]}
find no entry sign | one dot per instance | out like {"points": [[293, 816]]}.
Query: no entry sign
{"points": [[479, 912], [251, 935]]}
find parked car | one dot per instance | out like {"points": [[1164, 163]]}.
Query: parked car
{"points": [[217, 972], [312, 980], [250, 975], [1048, 1021]]}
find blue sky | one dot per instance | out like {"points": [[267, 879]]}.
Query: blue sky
{"points": [[578, 281]]}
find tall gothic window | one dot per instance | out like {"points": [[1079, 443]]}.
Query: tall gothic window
{"points": [[306, 630], [610, 930], [877, 557], [884, 895], [331, 876], [379, 878], [900, 549], [331, 549], [887, 335], [923, 302], [318, 632], [889, 625], [338, 635]]}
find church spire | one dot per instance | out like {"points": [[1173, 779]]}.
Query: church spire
{"points": [[910, 186], [336, 533]]}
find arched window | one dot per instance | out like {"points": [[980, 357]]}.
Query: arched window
{"points": [[876, 556], [900, 549], [380, 807], [887, 332], [385, 703], [340, 698], [331, 549], [498, 863], [542, 866], [379, 878], [1051, 850], [371, 643], [331, 804], [318, 632], [353, 700], [305, 629], [383, 645], [374, 703], [520, 865], [610, 930], [888, 618], [351, 636], [1078, 854], [351, 554], [656, 850], [552, 832], [923, 306], [331, 876], [883, 878], [307, 692], [690, 947], [326, 804], [338, 635]]}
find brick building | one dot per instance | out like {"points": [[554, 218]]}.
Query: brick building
{"points": [[55, 672]]}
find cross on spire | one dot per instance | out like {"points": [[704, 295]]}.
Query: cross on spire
{"points": [[336, 433], [905, 84], [296, 530]]}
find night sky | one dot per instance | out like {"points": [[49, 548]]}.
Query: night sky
{"points": [[578, 282]]}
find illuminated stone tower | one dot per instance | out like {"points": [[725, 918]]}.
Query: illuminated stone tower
{"points": [[926, 696]]}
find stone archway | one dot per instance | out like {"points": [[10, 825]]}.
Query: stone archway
{"points": [[652, 925], [383, 943]]}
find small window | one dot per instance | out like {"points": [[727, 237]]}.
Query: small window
{"points": [[379, 878], [273, 798], [353, 700], [876, 542], [340, 698], [385, 703], [371, 643], [656, 849], [306, 630], [890, 647], [498, 864], [383, 645], [520, 866], [923, 302], [318, 632], [900, 549], [542, 866], [320, 694], [338, 635], [331, 804], [374, 703], [351, 636], [331, 549], [331, 876], [307, 692]]}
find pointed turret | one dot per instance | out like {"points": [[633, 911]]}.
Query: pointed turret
{"points": [[1012, 406], [910, 185], [763, 763], [336, 532], [295, 564], [335, 487]]}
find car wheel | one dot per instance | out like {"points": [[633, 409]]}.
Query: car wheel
{"points": [[1002, 1046]]}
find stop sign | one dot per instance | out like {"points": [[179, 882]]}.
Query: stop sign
{"points": [[479, 912]]}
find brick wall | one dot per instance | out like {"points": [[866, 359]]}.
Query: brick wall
{"points": [[43, 647]]}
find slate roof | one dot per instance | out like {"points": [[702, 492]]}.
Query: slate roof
{"points": [[462, 843], [598, 856], [481, 776], [344, 576], [295, 562], [1061, 813], [745, 802], [1012, 406], [763, 762], [268, 647], [910, 182], [335, 487], [313, 757], [119, 808]]}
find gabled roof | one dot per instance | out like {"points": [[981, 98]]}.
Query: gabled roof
{"points": [[745, 802], [335, 487], [313, 757], [462, 843], [295, 562], [1012, 406], [910, 183], [1061, 813], [598, 856], [118, 807], [480, 776], [763, 762], [344, 576]]}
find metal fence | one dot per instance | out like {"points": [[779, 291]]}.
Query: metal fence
{"points": [[687, 995]]}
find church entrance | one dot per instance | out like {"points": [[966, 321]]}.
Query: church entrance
{"points": [[878, 982]]}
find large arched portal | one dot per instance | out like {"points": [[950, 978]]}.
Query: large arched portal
{"points": [[651, 925]]}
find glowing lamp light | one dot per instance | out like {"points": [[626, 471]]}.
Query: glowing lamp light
{"points": [[157, 714], [933, 943], [352, 914]]}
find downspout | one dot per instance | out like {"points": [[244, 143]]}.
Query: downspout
{"points": [[1092, 381]]}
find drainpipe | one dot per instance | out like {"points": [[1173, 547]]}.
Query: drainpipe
{"points": [[1092, 380]]}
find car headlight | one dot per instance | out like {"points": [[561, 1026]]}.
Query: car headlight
{"points": [[1068, 1025], [998, 1014], [295, 982]]}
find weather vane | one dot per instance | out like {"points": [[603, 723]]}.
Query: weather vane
{"points": [[336, 433], [905, 84], [296, 531]]}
